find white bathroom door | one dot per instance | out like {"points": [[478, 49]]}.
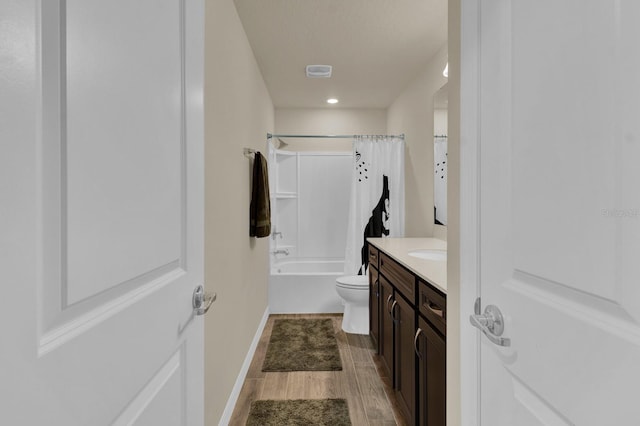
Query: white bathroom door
{"points": [[550, 211], [101, 212]]}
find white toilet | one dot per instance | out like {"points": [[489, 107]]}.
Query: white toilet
{"points": [[354, 291]]}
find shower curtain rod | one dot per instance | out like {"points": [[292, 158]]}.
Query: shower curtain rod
{"points": [[269, 136]]}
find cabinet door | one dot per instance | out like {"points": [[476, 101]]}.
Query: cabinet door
{"points": [[374, 307], [404, 318], [432, 383], [386, 326]]}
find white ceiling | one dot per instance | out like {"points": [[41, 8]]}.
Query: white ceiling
{"points": [[376, 47]]}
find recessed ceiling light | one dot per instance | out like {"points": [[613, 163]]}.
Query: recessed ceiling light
{"points": [[332, 101]]}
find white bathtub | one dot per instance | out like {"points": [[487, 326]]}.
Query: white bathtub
{"points": [[308, 267], [305, 286]]}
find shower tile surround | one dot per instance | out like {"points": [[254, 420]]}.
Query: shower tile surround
{"points": [[310, 218]]}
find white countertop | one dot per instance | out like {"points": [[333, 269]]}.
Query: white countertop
{"points": [[433, 271]]}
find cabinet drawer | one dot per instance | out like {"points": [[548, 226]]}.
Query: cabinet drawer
{"points": [[433, 305], [373, 256], [403, 280]]}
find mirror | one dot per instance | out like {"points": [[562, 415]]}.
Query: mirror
{"points": [[440, 106]]}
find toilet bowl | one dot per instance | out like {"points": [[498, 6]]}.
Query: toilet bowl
{"points": [[354, 291]]}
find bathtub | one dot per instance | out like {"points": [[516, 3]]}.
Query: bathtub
{"points": [[305, 286]]}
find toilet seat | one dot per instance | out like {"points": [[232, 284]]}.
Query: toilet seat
{"points": [[355, 282]]}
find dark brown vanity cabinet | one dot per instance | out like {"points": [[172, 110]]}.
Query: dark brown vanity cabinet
{"points": [[404, 318], [431, 348], [374, 305], [385, 342], [380, 321], [433, 306], [408, 327], [374, 296], [432, 379]]}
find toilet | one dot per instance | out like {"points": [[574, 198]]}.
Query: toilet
{"points": [[354, 291]]}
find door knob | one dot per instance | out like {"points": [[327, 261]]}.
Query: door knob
{"points": [[491, 324], [202, 301]]}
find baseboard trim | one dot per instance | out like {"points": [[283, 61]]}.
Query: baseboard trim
{"points": [[235, 392]]}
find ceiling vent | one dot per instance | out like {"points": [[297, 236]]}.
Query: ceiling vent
{"points": [[319, 71]]}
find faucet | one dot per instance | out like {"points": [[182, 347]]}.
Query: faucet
{"points": [[281, 251], [274, 233]]}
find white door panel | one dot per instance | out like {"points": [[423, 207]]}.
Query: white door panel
{"points": [[102, 212], [118, 160], [559, 221]]}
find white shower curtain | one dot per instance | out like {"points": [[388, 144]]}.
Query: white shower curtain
{"points": [[377, 196], [440, 180]]}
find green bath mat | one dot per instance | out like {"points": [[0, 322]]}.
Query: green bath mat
{"points": [[299, 412], [302, 345]]}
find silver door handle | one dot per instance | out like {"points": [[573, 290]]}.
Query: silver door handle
{"points": [[491, 324], [202, 301]]}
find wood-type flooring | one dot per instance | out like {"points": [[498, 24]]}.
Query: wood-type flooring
{"points": [[369, 396]]}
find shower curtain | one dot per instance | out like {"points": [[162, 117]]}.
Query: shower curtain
{"points": [[377, 197]]}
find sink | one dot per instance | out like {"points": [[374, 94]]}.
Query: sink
{"points": [[429, 254]]}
